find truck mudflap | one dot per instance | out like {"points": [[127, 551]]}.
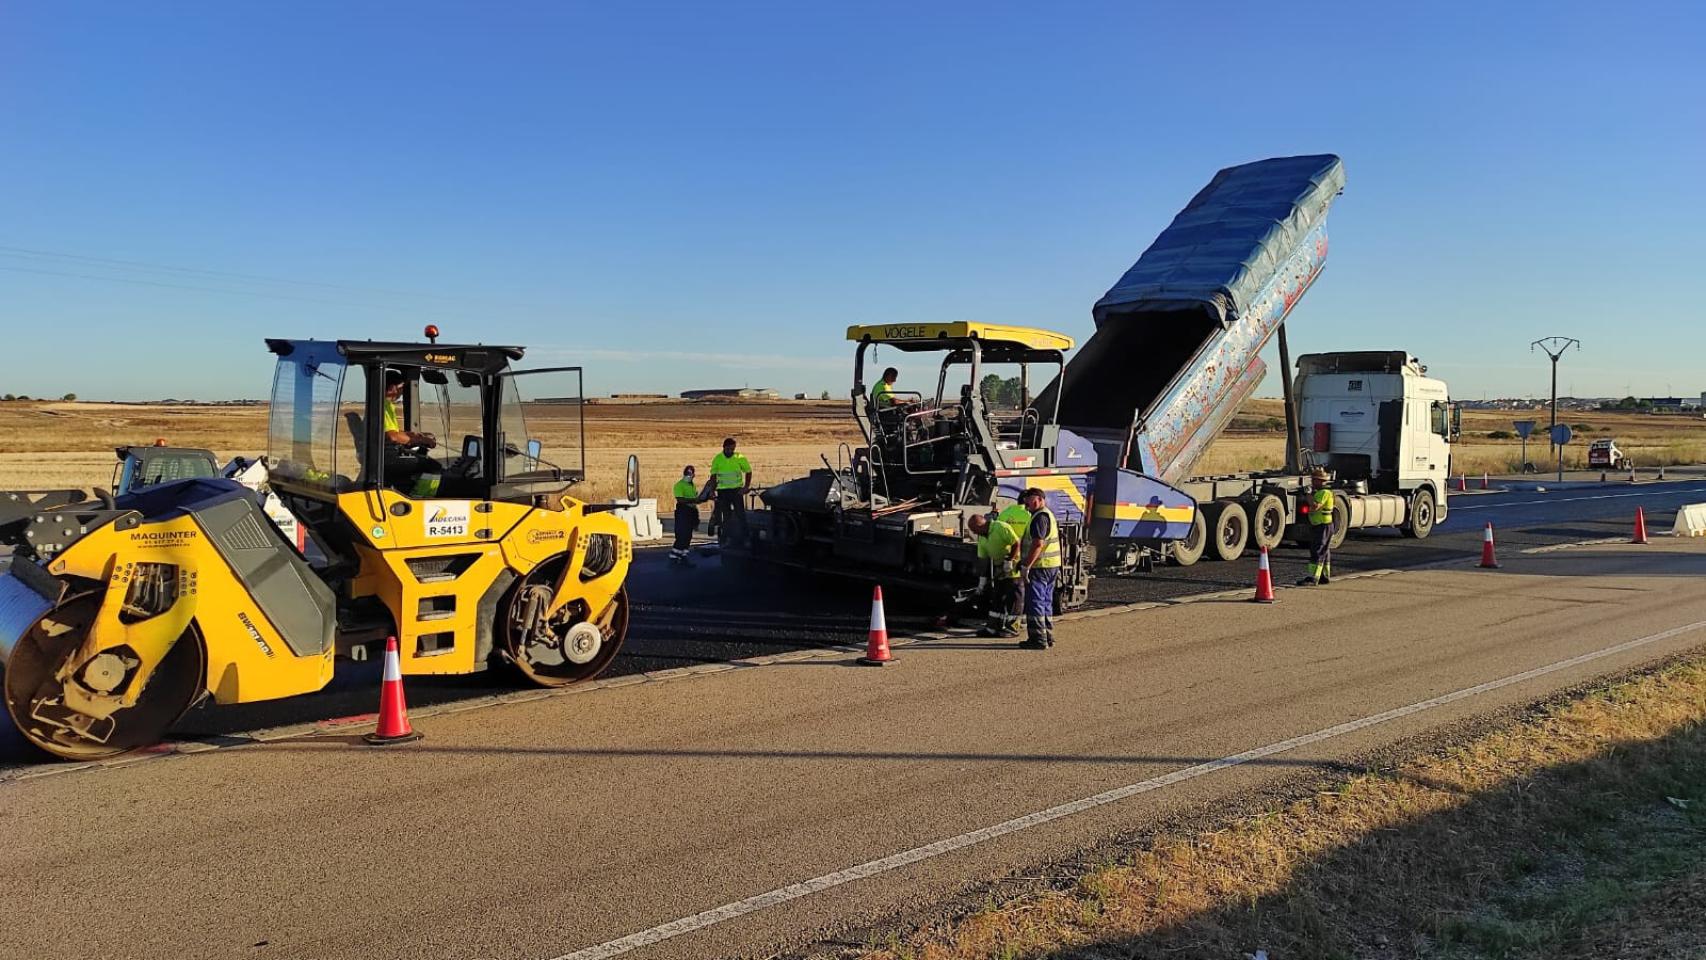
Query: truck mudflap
{"points": [[26, 593]]}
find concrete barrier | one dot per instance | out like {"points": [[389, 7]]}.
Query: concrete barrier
{"points": [[1690, 521], [642, 520]]}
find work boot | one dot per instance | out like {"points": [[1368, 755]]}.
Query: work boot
{"points": [[1032, 643], [1325, 579], [1307, 582]]}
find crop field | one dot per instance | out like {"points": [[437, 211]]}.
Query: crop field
{"points": [[57, 444]]}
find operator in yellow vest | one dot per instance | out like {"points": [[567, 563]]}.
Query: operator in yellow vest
{"points": [[731, 474], [1320, 509], [408, 466], [883, 395], [687, 499], [998, 546], [1039, 553]]}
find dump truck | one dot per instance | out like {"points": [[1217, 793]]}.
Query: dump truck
{"points": [[1177, 353], [1114, 434], [119, 613]]}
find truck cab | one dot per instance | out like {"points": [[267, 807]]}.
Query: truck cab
{"points": [[1376, 418]]}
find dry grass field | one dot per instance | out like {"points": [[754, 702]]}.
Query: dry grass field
{"points": [[55, 444]]}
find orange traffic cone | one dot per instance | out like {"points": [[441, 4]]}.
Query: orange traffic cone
{"points": [[1640, 526], [393, 712], [1486, 481], [1462, 483], [1264, 580], [1487, 560], [877, 651]]}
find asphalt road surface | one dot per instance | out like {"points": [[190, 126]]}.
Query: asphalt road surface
{"points": [[761, 810], [708, 615]]}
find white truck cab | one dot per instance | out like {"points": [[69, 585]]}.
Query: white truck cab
{"points": [[1375, 417]]}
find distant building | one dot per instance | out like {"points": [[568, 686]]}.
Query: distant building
{"points": [[735, 393], [1665, 403]]}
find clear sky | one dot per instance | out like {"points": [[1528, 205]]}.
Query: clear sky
{"points": [[706, 194]]}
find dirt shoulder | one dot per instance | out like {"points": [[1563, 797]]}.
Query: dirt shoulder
{"points": [[1579, 830]]}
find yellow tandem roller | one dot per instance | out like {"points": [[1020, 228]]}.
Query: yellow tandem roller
{"points": [[435, 512]]}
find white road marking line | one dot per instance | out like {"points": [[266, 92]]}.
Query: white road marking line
{"points": [[1603, 496], [795, 891]]}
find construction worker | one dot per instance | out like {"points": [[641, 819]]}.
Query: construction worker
{"points": [[998, 543], [1320, 512], [408, 467], [687, 499], [1039, 551], [882, 395], [731, 473]]}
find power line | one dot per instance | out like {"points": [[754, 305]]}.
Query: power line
{"points": [[51, 256], [240, 293]]}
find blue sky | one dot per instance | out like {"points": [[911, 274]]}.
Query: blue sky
{"points": [[687, 195]]}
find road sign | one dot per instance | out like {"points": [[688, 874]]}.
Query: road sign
{"points": [[1561, 434], [1524, 428]]}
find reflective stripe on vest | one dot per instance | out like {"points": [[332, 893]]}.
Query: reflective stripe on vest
{"points": [[1321, 507], [1050, 557], [730, 471]]}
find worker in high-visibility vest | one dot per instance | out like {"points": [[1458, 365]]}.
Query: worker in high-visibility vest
{"points": [[1319, 509], [1039, 553], [731, 475], [687, 497], [998, 552], [883, 395], [409, 466]]}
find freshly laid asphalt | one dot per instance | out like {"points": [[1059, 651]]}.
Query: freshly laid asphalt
{"points": [[768, 807], [706, 614]]}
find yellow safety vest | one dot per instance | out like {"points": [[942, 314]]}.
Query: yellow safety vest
{"points": [[1321, 507], [1050, 557], [1016, 517], [997, 545], [393, 423], [883, 394], [730, 471], [685, 490]]}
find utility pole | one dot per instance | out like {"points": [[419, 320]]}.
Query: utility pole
{"points": [[1554, 347]]}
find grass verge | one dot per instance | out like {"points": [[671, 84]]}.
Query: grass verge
{"points": [[1578, 832]]}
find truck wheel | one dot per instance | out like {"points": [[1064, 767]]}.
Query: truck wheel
{"points": [[1341, 527], [1229, 529], [1267, 522], [1420, 522], [1189, 550]]}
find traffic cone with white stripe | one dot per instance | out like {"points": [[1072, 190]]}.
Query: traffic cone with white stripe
{"points": [[393, 712], [1264, 580], [1463, 483], [1488, 562], [1486, 481], [877, 649], [1640, 526]]}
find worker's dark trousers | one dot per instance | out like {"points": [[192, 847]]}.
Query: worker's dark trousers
{"points": [[1039, 604], [1321, 552], [686, 521], [1003, 603], [729, 514]]}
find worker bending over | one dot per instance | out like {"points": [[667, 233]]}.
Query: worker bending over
{"points": [[1040, 566], [732, 474], [998, 546], [1321, 506]]}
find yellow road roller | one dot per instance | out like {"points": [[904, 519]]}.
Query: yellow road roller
{"points": [[438, 508]]}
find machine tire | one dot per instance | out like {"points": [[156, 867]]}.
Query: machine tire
{"points": [[1267, 522], [614, 628], [1419, 519], [1228, 528], [177, 683], [1341, 527], [1188, 551]]}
